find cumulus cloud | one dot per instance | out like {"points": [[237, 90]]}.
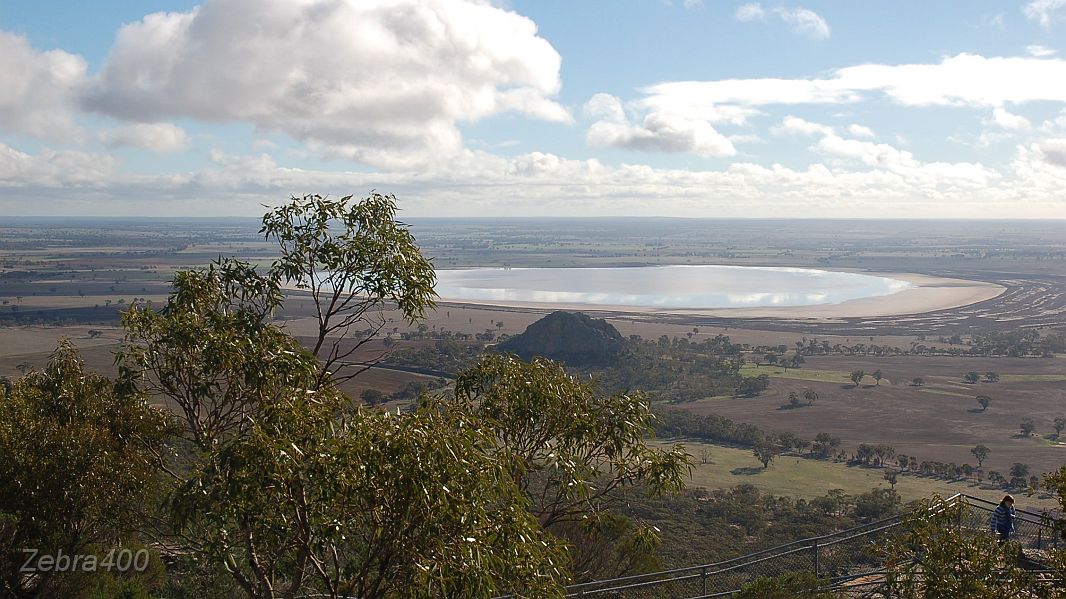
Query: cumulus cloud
{"points": [[1051, 151], [1044, 12], [857, 130], [605, 107], [1040, 51], [380, 82], [1010, 121], [796, 125], [37, 89], [52, 168], [801, 20], [661, 132], [658, 131], [903, 163], [155, 137]]}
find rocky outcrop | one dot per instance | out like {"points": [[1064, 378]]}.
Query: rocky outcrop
{"points": [[570, 337]]}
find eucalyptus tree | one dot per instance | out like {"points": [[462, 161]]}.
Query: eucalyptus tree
{"points": [[212, 353], [73, 461], [318, 500], [356, 261], [934, 557], [575, 452], [981, 452], [857, 376]]}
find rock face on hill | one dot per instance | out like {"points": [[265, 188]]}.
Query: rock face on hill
{"points": [[570, 337]]}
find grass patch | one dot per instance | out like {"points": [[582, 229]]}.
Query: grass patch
{"points": [[1031, 378], [805, 478], [799, 374], [943, 392]]}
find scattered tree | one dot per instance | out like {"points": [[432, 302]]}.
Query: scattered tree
{"points": [[980, 452], [1060, 423], [1028, 427], [984, 401], [991, 377], [750, 386], [825, 444], [892, 476], [917, 381], [766, 450], [971, 377], [1019, 470], [705, 455], [373, 397], [878, 376], [811, 396], [857, 376]]}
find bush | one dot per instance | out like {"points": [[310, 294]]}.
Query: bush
{"points": [[794, 585]]}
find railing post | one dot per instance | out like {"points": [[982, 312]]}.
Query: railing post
{"points": [[816, 558], [703, 578]]}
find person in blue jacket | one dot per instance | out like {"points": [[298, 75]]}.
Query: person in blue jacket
{"points": [[1003, 519]]}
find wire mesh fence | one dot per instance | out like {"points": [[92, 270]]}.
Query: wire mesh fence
{"points": [[846, 559]]}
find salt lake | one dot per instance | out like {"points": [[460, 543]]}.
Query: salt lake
{"points": [[665, 287]]}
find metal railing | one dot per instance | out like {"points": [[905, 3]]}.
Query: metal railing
{"points": [[842, 558]]}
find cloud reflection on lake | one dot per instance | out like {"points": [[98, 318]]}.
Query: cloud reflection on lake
{"points": [[676, 287]]}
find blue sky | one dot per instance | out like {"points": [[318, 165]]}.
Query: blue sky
{"points": [[539, 107]]}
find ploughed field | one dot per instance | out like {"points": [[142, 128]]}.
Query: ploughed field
{"points": [[939, 421]]}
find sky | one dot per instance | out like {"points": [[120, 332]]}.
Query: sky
{"points": [[712, 108]]}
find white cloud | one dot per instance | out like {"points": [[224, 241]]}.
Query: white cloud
{"points": [[801, 20], [857, 130], [384, 82], [1044, 12], [1051, 151], [662, 132], [37, 89], [155, 137], [1010, 121], [750, 12], [903, 163], [605, 107], [858, 179], [658, 131], [1055, 125], [1040, 51], [965, 79], [962, 80], [805, 22], [796, 125], [52, 168]]}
